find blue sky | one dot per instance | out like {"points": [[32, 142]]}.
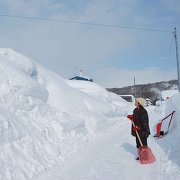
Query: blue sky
{"points": [[111, 56]]}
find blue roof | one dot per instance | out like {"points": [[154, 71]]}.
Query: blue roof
{"points": [[81, 78]]}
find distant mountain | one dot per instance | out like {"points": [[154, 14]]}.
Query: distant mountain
{"points": [[150, 90]]}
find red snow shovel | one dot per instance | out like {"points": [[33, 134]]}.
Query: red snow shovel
{"points": [[145, 154]]}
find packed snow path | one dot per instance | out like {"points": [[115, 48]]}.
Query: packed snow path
{"points": [[111, 156]]}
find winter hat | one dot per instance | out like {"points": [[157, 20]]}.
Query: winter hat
{"points": [[141, 101]]}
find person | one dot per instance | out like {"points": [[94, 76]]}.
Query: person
{"points": [[141, 122]]}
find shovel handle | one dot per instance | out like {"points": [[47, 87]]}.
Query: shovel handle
{"points": [[138, 135]]}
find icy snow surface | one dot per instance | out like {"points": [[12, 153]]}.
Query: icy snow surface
{"points": [[52, 128]]}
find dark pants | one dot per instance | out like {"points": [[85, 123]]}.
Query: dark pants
{"points": [[144, 141]]}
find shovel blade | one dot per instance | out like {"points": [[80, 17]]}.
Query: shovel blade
{"points": [[145, 155]]}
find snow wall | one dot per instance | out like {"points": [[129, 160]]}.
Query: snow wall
{"points": [[45, 118]]}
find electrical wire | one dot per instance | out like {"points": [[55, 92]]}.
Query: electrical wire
{"points": [[167, 63], [85, 23]]}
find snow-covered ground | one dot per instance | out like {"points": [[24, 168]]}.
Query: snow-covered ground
{"points": [[52, 128]]}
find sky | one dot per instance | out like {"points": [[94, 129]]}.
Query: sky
{"points": [[111, 55]]}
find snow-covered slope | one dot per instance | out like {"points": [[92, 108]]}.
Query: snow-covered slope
{"points": [[44, 118]]}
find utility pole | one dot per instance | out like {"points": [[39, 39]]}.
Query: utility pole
{"points": [[134, 87], [178, 73]]}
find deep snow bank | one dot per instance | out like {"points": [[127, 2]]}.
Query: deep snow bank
{"points": [[43, 118], [170, 142]]}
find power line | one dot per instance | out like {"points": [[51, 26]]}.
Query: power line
{"points": [[85, 23], [167, 63]]}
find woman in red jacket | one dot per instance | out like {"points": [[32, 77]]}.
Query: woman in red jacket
{"points": [[141, 121]]}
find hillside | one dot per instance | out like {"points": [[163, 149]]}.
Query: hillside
{"points": [[150, 90]]}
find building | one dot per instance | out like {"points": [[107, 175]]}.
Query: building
{"points": [[81, 77]]}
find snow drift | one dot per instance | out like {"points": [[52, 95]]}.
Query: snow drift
{"points": [[170, 143], [44, 118]]}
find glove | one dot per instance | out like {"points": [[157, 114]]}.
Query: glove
{"points": [[136, 128], [130, 117]]}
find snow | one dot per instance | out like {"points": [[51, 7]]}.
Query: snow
{"points": [[53, 128], [168, 93]]}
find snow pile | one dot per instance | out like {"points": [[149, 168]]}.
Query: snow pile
{"points": [[44, 118], [170, 142], [110, 102], [168, 93]]}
